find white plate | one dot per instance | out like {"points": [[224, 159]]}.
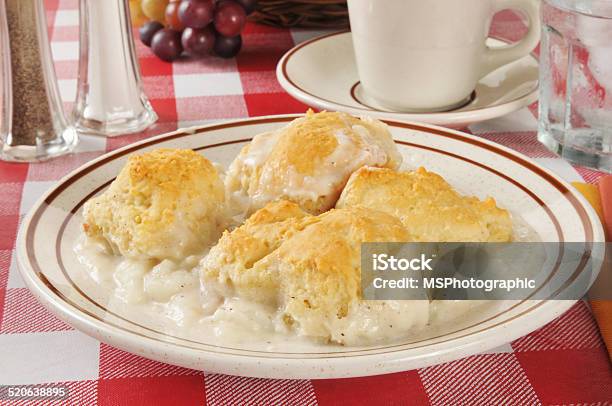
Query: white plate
{"points": [[321, 72], [553, 208]]}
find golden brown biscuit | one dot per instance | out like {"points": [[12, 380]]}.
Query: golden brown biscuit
{"points": [[309, 268], [427, 205], [228, 267], [167, 203], [309, 160], [320, 269]]}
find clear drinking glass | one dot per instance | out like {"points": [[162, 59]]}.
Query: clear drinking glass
{"points": [[110, 100], [33, 126], [575, 117]]}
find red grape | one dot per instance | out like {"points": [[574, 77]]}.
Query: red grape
{"points": [[148, 30], [198, 42], [248, 5], [166, 44], [230, 17], [172, 16], [196, 13], [227, 47]]}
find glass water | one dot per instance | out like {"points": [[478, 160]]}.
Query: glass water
{"points": [[575, 117]]}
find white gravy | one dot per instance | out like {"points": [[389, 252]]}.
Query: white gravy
{"points": [[167, 296]]}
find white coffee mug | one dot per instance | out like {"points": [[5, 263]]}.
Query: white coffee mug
{"points": [[428, 55]]}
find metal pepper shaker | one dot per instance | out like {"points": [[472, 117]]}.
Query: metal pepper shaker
{"points": [[33, 126]]}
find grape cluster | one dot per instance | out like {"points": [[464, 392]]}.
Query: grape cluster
{"points": [[194, 27]]}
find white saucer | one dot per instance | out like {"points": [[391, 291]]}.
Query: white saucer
{"points": [[322, 73]]}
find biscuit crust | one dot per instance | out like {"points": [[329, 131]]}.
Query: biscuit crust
{"points": [[309, 160], [307, 266], [429, 208], [167, 203], [230, 266]]}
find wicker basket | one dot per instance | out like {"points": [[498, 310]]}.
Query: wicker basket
{"points": [[302, 13]]}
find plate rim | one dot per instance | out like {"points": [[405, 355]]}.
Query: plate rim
{"points": [[455, 118], [469, 344]]}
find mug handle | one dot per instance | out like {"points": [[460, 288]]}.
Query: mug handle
{"points": [[496, 57]]}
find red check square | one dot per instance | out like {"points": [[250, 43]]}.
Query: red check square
{"points": [[145, 391], [569, 376], [404, 388], [13, 172], [150, 65], [251, 28], [262, 51], [8, 230], [166, 111], [273, 103]]}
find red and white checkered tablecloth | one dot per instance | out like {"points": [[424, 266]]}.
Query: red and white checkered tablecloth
{"points": [[563, 363]]}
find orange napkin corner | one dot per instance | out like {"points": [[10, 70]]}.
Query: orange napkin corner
{"points": [[600, 198]]}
